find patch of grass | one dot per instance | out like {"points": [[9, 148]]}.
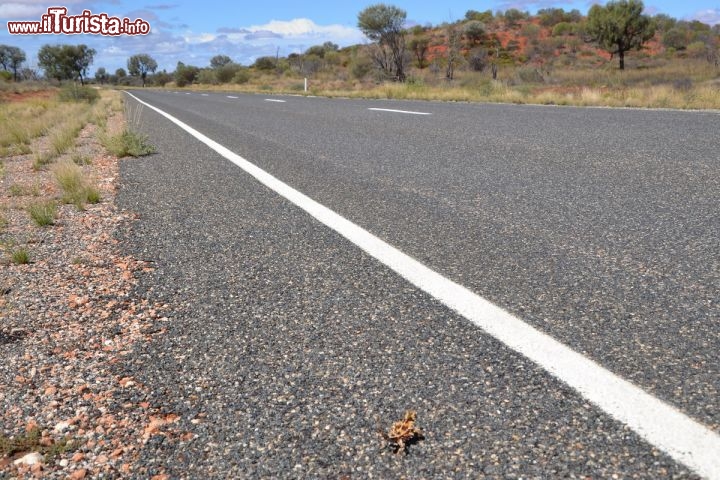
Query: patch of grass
{"points": [[128, 144], [42, 160], [20, 256], [79, 159], [43, 213], [63, 139], [3, 222], [76, 189], [3, 172], [17, 190], [92, 195], [31, 442], [24, 443]]}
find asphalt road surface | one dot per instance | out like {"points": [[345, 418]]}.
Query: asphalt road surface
{"points": [[289, 346]]}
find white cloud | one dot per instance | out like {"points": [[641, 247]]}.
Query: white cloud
{"points": [[199, 38], [29, 9], [18, 11], [305, 28], [711, 16]]}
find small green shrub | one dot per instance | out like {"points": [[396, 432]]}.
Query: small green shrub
{"points": [[92, 195], [76, 189], [79, 159], [43, 213], [128, 144], [20, 256], [42, 160]]}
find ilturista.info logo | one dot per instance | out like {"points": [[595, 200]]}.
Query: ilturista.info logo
{"points": [[57, 21]]}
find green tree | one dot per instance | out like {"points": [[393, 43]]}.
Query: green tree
{"points": [[140, 65], [185, 74], [419, 46], [513, 17], [79, 58], [220, 61], [65, 62], [620, 26], [474, 32], [265, 63], [51, 60], [120, 73], [101, 75], [384, 25], [676, 38], [11, 58], [486, 16]]}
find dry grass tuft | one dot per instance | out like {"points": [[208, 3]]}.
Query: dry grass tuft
{"points": [[76, 188]]}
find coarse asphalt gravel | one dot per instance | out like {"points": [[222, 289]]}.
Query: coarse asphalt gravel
{"points": [[596, 226]]}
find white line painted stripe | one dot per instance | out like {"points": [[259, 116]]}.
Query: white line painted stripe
{"points": [[684, 439], [204, 94], [230, 96], [188, 93], [398, 111], [274, 100]]}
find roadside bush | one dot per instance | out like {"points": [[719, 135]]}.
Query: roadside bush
{"points": [[529, 75], [74, 93], [226, 73], [564, 28], [128, 144], [241, 76], [360, 67], [207, 77], [478, 59], [265, 63]]}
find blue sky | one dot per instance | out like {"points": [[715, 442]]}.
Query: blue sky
{"points": [[195, 31]]}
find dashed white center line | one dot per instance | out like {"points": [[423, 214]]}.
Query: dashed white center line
{"points": [[204, 94], [274, 100], [663, 425], [188, 93], [399, 111], [230, 96]]}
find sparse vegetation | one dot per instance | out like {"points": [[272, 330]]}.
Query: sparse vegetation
{"points": [[43, 213], [17, 190], [128, 144], [32, 441], [76, 188], [79, 159], [20, 256], [79, 93], [547, 58]]}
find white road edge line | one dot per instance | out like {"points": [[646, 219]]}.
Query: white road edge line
{"points": [[274, 100], [230, 96], [684, 439], [398, 111]]}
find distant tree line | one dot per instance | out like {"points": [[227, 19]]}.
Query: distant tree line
{"points": [[472, 43]]}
